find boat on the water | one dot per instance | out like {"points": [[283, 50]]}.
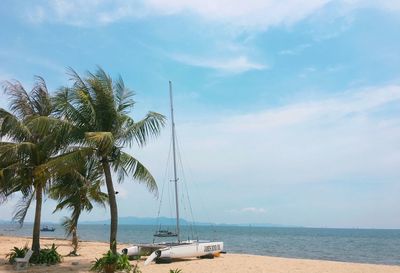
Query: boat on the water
{"points": [[47, 228], [166, 251], [164, 233]]}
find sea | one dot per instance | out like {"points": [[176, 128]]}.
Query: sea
{"points": [[376, 246]]}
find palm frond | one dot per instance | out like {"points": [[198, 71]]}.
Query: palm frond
{"points": [[103, 141], [102, 86], [68, 225], [141, 131], [40, 98], [11, 127], [126, 164], [17, 152], [79, 83], [123, 96], [20, 101], [22, 207], [65, 108], [55, 133], [64, 163]]}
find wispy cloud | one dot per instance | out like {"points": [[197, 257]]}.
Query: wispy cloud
{"points": [[333, 109], [254, 14], [257, 14], [249, 210], [231, 65], [296, 50], [344, 136]]}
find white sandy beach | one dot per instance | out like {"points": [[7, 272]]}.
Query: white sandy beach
{"points": [[232, 263]]}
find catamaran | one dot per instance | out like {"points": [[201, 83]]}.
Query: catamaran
{"points": [[166, 251]]}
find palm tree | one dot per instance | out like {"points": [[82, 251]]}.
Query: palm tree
{"points": [[77, 190], [24, 148], [98, 107]]}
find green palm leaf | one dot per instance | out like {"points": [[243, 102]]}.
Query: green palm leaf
{"points": [[13, 128], [127, 165]]}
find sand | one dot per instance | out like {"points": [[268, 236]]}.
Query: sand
{"points": [[232, 263]]}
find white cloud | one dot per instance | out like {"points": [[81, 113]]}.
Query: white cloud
{"points": [[231, 65], [338, 146], [251, 210], [296, 50], [253, 14], [387, 5], [328, 110], [256, 14]]}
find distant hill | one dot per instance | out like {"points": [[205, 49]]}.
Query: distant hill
{"points": [[132, 220], [152, 221], [254, 225]]}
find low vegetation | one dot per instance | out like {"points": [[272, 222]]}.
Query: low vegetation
{"points": [[48, 256], [111, 262], [177, 270], [16, 252]]}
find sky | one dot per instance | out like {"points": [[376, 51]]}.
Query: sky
{"points": [[287, 112]]}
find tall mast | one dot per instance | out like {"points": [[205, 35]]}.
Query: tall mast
{"points": [[174, 159]]}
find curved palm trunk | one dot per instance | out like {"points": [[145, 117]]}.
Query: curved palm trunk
{"points": [[74, 241], [36, 224], [113, 205], [74, 232]]}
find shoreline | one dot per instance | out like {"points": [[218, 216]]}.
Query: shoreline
{"points": [[228, 253], [229, 262]]}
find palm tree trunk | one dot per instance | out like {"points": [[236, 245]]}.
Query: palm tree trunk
{"points": [[75, 219], [74, 241], [113, 205], [36, 224]]}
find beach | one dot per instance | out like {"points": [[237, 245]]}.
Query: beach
{"points": [[225, 263]]}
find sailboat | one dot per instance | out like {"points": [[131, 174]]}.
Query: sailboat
{"points": [[166, 251]]}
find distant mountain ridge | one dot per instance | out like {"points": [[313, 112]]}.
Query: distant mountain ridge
{"points": [[132, 220], [152, 221]]}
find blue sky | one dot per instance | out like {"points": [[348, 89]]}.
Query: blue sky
{"points": [[288, 112]]}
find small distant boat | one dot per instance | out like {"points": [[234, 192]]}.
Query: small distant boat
{"points": [[47, 228], [165, 233]]}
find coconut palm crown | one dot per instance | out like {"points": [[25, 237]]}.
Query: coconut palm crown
{"points": [[27, 142], [98, 108], [77, 191]]}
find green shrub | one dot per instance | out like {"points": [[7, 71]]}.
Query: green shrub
{"points": [[48, 256], [110, 262], [177, 270], [16, 253]]}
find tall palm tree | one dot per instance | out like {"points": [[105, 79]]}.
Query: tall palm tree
{"points": [[77, 190], [99, 107], [24, 148]]}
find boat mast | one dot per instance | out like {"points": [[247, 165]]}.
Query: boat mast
{"points": [[175, 180]]}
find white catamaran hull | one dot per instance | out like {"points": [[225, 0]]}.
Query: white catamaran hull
{"points": [[183, 250], [189, 250]]}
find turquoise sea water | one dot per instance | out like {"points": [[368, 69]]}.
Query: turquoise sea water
{"points": [[349, 245]]}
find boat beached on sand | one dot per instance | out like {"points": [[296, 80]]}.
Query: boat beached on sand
{"points": [[166, 251]]}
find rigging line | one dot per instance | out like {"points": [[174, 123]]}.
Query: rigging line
{"points": [[163, 185], [187, 191], [197, 189]]}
